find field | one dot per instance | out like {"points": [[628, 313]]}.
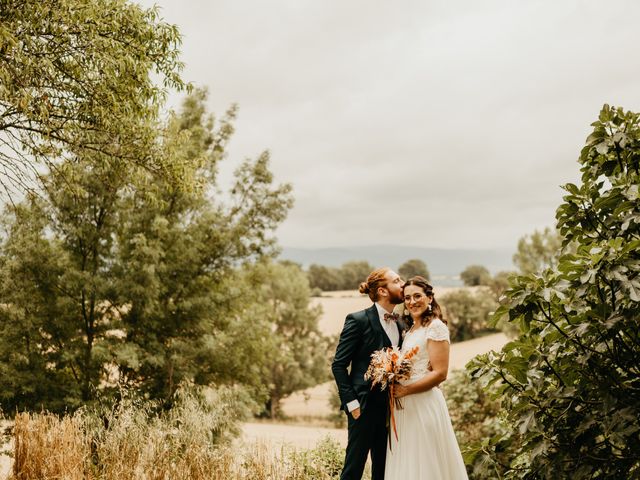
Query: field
{"points": [[307, 410]]}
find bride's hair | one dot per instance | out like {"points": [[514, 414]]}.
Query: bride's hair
{"points": [[374, 281], [430, 313]]}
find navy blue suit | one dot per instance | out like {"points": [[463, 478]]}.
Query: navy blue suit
{"points": [[362, 335]]}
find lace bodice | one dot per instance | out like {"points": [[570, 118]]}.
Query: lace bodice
{"points": [[436, 330]]}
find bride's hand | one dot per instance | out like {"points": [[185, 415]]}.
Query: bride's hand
{"points": [[400, 391]]}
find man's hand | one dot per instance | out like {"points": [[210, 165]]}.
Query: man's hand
{"points": [[356, 413]]}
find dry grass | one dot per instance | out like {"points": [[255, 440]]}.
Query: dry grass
{"points": [[49, 448], [133, 443]]}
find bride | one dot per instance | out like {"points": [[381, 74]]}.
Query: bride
{"points": [[426, 447]]}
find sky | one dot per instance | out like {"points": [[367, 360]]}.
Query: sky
{"points": [[447, 124]]}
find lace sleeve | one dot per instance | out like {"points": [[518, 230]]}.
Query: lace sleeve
{"points": [[438, 331]]}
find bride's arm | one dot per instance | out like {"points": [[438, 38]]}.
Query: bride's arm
{"points": [[439, 359]]}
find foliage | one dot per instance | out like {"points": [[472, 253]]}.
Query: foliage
{"points": [[324, 461], [137, 440], [115, 275], [500, 282], [571, 383], [412, 268], [68, 67], [537, 251], [353, 273], [296, 353], [347, 277], [132, 436], [475, 275], [178, 260], [476, 418], [467, 312], [326, 279]]}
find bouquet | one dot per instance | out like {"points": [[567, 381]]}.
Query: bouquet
{"points": [[388, 366]]}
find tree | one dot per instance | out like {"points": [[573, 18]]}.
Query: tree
{"points": [[538, 250], [324, 278], [468, 312], [570, 384], [297, 356], [353, 274], [68, 67], [500, 282], [133, 278], [413, 267], [475, 275], [186, 319]]}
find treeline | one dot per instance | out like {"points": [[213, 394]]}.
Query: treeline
{"points": [[467, 310], [351, 274]]}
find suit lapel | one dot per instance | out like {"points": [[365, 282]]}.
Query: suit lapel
{"points": [[374, 320]]}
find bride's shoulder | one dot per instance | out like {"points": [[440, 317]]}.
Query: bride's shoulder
{"points": [[437, 323], [437, 330]]}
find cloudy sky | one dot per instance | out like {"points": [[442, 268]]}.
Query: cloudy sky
{"points": [[427, 123]]}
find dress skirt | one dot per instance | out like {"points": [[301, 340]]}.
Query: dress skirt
{"points": [[426, 448]]}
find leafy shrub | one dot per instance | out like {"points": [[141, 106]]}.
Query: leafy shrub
{"points": [[570, 384], [323, 462], [476, 419]]}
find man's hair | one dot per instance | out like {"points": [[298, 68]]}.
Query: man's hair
{"points": [[374, 281]]}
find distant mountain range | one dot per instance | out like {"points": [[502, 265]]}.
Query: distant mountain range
{"points": [[444, 264]]}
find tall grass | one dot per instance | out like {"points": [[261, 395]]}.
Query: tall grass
{"points": [[48, 447], [192, 441]]}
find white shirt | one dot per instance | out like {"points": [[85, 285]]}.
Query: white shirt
{"points": [[391, 329], [389, 326]]}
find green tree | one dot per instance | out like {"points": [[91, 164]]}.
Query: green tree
{"points": [[297, 357], [475, 275], [500, 282], [538, 250], [468, 312], [68, 67], [570, 384], [324, 278], [133, 278], [353, 273], [178, 260], [414, 267]]}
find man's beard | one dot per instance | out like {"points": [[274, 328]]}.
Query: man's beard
{"points": [[396, 298]]}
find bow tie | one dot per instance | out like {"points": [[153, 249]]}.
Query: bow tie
{"points": [[388, 317]]}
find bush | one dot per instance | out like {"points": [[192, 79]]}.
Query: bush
{"points": [[137, 440], [322, 462], [468, 312], [184, 442], [476, 418], [570, 383]]}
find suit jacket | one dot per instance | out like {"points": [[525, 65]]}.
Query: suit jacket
{"points": [[361, 335]]}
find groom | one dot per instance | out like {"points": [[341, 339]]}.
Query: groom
{"points": [[363, 333]]}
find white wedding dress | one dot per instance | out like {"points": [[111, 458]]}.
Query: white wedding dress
{"points": [[426, 448]]}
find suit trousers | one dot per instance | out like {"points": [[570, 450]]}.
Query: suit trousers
{"points": [[367, 434]]}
